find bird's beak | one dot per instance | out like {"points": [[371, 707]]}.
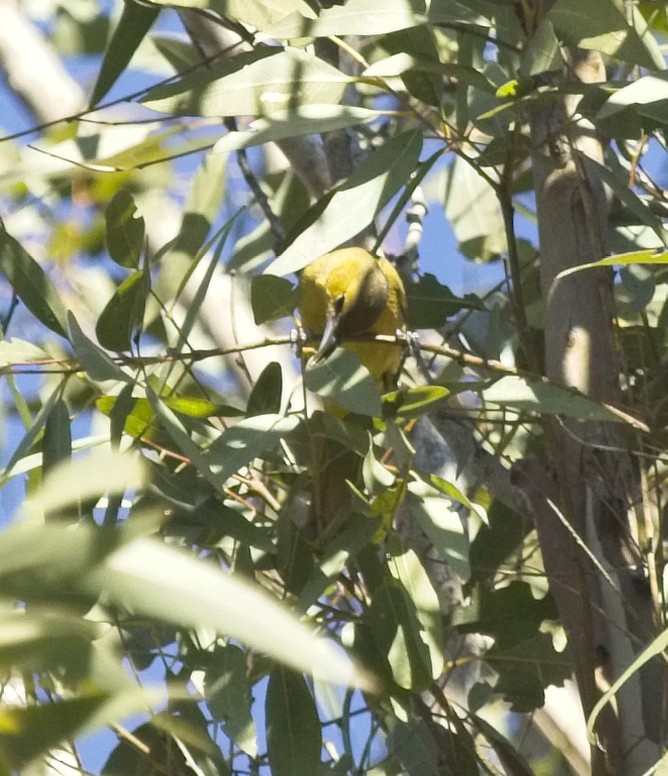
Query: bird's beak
{"points": [[329, 338]]}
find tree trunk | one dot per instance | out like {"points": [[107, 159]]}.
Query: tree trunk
{"points": [[583, 504]]}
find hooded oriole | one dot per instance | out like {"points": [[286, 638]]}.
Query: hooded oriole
{"points": [[348, 294]]}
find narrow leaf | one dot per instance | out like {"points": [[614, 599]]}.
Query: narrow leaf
{"points": [[32, 284]]}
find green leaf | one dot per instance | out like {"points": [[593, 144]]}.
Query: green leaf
{"points": [[373, 17], [442, 524], [473, 210], [549, 399], [648, 256], [416, 747], [641, 104], [353, 206], [125, 230], [28, 732], [301, 120], [136, 20], [601, 25], [239, 445], [405, 566], [96, 363], [271, 298], [32, 285], [342, 379], [253, 83], [154, 580], [510, 615], [228, 696], [396, 632], [57, 443], [123, 313], [412, 403], [632, 201], [294, 739], [265, 398], [430, 303], [259, 13], [656, 647]]}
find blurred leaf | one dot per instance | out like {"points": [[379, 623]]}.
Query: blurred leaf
{"points": [[294, 739], [32, 285], [123, 313], [153, 580], [353, 206], [26, 733], [430, 303], [342, 379], [251, 83], [97, 364], [100, 472], [16, 351], [271, 298], [136, 20], [265, 398], [125, 230]]}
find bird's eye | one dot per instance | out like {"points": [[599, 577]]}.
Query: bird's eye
{"points": [[338, 304]]}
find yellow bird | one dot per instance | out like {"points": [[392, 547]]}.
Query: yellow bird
{"points": [[347, 294]]}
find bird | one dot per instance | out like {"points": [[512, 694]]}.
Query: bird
{"points": [[349, 294], [345, 296]]}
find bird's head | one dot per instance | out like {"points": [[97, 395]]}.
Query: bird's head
{"points": [[357, 294]]}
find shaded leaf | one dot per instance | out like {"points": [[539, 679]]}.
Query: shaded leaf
{"points": [[123, 313], [32, 285], [342, 379], [271, 298], [252, 83], [97, 364], [293, 727], [265, 398], [125, 231], [430, 303], [352, 207], [136, 20]]}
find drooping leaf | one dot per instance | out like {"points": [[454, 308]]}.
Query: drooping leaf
{"points": [[343, 380], [252, 83], [125, 230], [97, 364], [265, 398], [271, 298], [294, 739], [352, 207], [122, 314], [136, 20], [32, 285], [430, 303]]}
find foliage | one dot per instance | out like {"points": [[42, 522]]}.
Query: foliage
{"points": [[165, 566]]}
